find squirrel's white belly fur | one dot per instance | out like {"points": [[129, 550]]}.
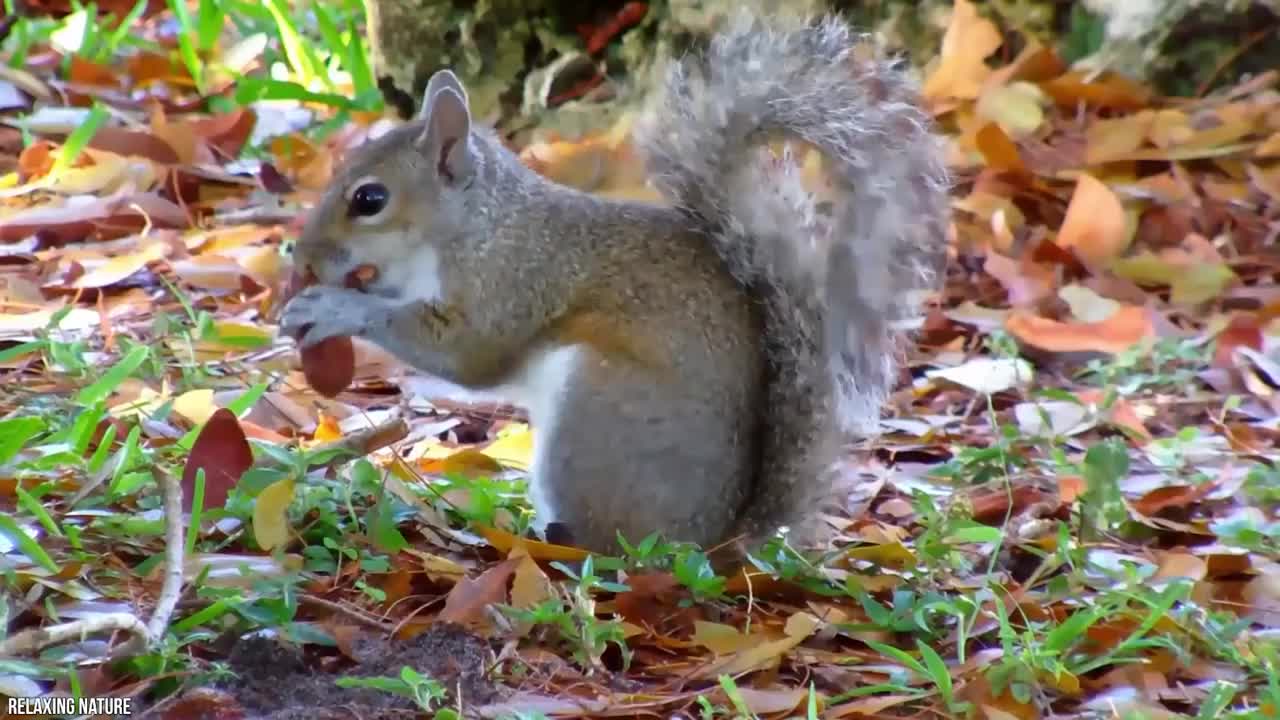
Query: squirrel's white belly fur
{"points": [[537, 386]]}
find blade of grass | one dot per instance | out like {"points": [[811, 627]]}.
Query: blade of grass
{"points": [[296, 51], [27, 544], [111, 379], [15, 433], [78, 139], [33, 506]]}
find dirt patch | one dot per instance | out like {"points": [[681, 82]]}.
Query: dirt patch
{"points": [[275, 681]]}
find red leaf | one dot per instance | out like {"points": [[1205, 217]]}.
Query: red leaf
{"points": [[222, 450]]}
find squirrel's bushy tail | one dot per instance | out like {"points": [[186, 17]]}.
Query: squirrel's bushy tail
{"points": [[840, 269]]}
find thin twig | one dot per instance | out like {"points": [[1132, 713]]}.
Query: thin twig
{"points": [[347, 611], [33, 641]]}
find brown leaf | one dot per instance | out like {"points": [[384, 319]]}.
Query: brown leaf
{"points": [[110, 217], [133, 143], [227, 133], [468, 600], [222, 451], [1179, 497], [650, 598]]}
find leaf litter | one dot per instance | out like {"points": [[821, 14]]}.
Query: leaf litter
{"points": [[1073, 510]]}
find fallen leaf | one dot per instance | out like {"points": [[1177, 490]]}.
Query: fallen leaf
{"points": [[1087, 305], [987, 375], [468, 600], [120, 267], [1095, 225], [467, 462], [530, 586], [961, 68], [271, 514], [762, 653], [1171, 497], [1126, 327], [1052, 417], [1017, 108], [505, 542], [513, 447], [222, 451], [1243, 330], [196, 405]]}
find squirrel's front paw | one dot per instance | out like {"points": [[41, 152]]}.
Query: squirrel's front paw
{"points": [[321, 312]]}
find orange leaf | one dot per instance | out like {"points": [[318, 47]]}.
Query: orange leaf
{"points": [[1243, 330], [1121, 412], [1107, 91], [1172, 497], [1128, 326], [998, 150], [327, 429], [962, 68], [1095, 225]]}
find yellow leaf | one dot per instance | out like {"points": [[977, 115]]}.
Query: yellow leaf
{"points": [[514, 446], [505, 542], [530, 586], [120, 267], [1116, 138], [271, 514], [721, 639], [1201, 283], [1017, 108], [962, 67], [105, 174], [327, 430], [263, 264], [1087, 305], [438, 568], [195, 405], [146, 403], [1270, 148], [238, 336], [467, 462], [1190, 283], [892, 554], [766, 653]]}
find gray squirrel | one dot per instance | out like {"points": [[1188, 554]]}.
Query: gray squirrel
{"points": [[689, 369]]}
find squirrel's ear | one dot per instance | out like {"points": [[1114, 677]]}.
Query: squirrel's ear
{"points": [[440, 80], [446, 133]]}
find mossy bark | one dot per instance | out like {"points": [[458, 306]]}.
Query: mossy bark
{"points": [[509, 53]]}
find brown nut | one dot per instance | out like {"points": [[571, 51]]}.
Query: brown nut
{"points": [[329, 365], [358, 278]]}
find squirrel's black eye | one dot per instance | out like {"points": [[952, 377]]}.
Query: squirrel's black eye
{"points": [[368, 199]]}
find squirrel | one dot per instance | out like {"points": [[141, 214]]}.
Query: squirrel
{"points": [[691, 367]]}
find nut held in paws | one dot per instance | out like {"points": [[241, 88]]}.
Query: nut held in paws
{"points": [[330, 365], [360, 277]]}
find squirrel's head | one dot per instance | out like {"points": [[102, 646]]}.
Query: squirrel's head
{"points": [[399, 204]]}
